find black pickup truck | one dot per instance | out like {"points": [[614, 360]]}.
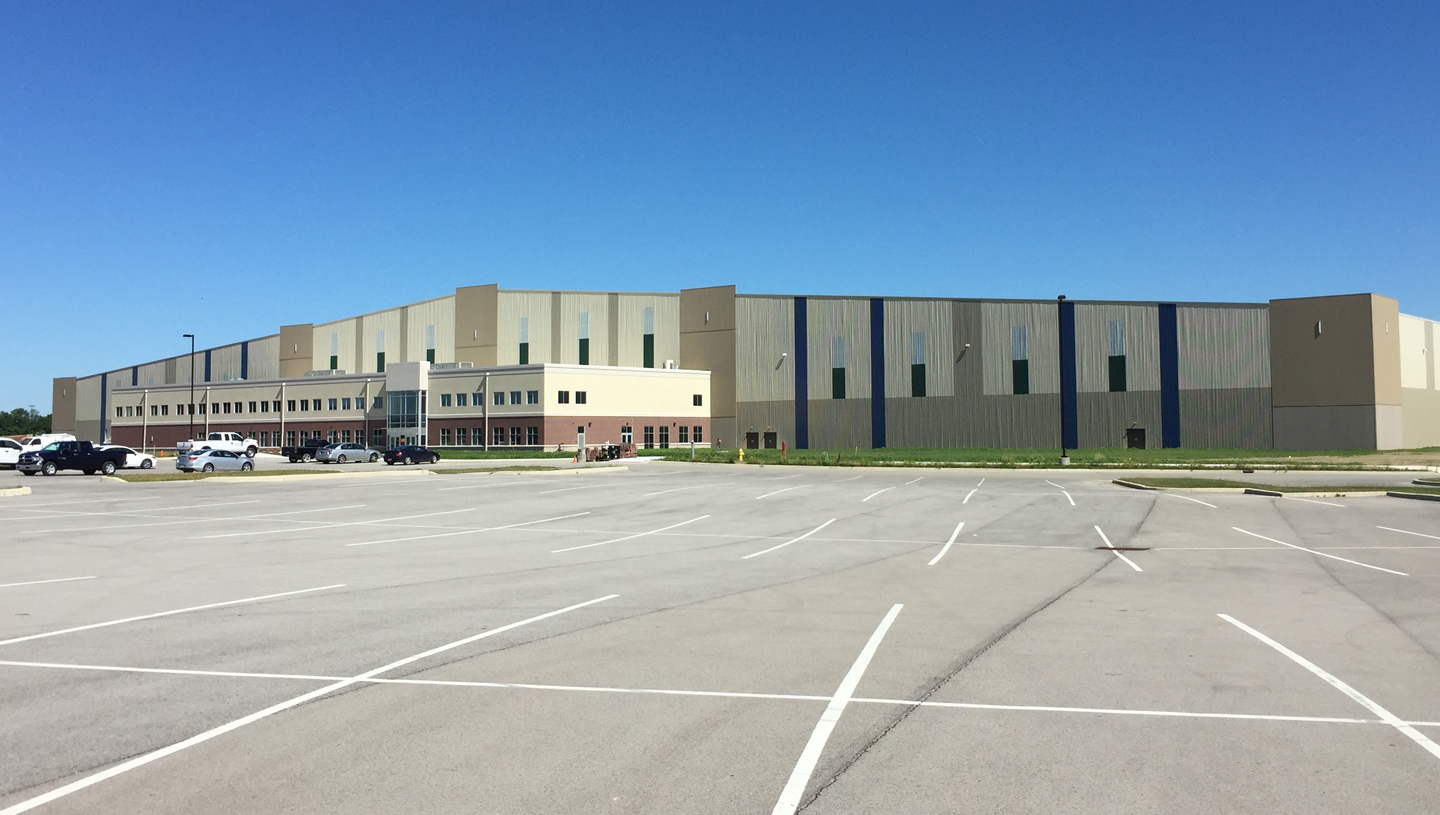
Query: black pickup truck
{"points": [[72, 455], [305, 451]]}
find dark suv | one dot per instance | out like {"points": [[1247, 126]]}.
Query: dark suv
{"points": [[71, 455]]}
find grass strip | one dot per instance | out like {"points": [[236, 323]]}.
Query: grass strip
{"points": [[1221, 483], [463, 454], [513, 468]]}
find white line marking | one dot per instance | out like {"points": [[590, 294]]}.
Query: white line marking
{"points": [[491, 483], [1385, 715], [792, 540], [572, 489], [1312, 501], [1117, 551], [1062, 489], [843, 480], [127, 499], [334, 526], [948, 544], [38, 582], [810, 756], [777, 492], [875, 493], [705, 693], [140, 761], [981, 483], [968, 494], [1321, 554], [1188, 498], [167, 614], [630, 537], [908, 483], [691, 487], [470, 531], [1403, 532], [52, 514]]}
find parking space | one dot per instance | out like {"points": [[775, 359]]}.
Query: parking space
{"points": [[678, 638]]}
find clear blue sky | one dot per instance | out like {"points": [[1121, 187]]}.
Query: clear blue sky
{"points": [[225, 168]]}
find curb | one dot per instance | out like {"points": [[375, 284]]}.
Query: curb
{"points": [[1269, 493], [1415, 495], [6, 492], [1132, 485]]}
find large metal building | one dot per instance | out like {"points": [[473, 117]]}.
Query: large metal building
{"points": [[1341, 372]]}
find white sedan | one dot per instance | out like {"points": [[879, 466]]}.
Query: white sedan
{"points": [[135, 460]]}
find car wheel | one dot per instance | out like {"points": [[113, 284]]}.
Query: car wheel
{"points": [[146, 464], [89, 472], [49, 468], [307, 458], [374, 457], [409, 460], [251, 451], [209, 468], [246, 467], [387, 464], [108, 468], [434, 459], [341, 460], [29, 472]]}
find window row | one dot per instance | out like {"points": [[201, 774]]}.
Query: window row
{"points": [[221, 408], [563, 397], [685, 435], [499, 436]]}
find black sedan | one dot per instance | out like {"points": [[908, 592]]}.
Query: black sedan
{"points": [[411, 454]]}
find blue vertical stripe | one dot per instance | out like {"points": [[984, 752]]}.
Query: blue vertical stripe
{"points": [[134, 375], [207, 365], [104, 392], [877, 372], [802, 373], [244, 360], [1069, 407], [1169, 376]]}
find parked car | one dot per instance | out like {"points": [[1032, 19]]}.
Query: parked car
{"points": [[40, 441], [340, 453], [234, 442], [10, 453], [208, 461], [304, 451], [411, 454], [133, 459], [71, 455]]}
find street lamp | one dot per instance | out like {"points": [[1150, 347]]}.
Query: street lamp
{"points": [[190, 409], [1060, 323]]}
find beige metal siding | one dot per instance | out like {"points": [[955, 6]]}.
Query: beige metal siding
{"points": [[440, 313], [370, 326], [534, 305], [1041, 321], [153, 374], [1416, 363], [764, 331], [1223, 347], [826, 319], [571, 306], [344, 334], [224, 364], [934, 319], [265, 358], [1092, 346], [630, 329]]}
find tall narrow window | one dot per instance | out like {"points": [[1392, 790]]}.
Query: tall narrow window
{"points": [[380, 351], [1019, 359], [524, 342], [837, 368], [430, 344], [917, 364], [584, 338], [334, 351], [1116, 332], [649, 338]]}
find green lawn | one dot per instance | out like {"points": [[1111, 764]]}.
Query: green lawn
{"points": [[453, 453], [1009, 457], [1221, 483]]}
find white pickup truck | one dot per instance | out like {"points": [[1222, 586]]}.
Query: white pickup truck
{"points": [[233, 442]]}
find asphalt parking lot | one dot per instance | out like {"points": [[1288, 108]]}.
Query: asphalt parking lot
{"points": [[683, 639]]}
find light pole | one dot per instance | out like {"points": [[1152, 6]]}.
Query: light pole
{"points": [[190, 408], [1060, 323]]}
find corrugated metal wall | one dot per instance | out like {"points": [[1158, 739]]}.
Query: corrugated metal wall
{"points": [[225, 363], [1226, 418], [370, 326], [1042, 324], [1092, 346], [439, 313], [535, 307], [1224, 347], [935, 320], [630, 328], [764, 331], [154, 373], [572, 304], [848, 319], [344, 334], [265, 358]]}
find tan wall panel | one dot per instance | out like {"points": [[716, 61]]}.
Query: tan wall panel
{"points": [[512, 306], [848, 318], [934, 319], [476, 315], [1092, 346], [765, 330], [1415, 367], [1420, 415], [297, 349], [627, 393], [1385, 333], [1042, 322], [1223, 347], [717, 303], [63, 398], [1337, 367]]}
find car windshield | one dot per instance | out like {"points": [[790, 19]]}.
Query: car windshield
{"points": [[215, 437]]}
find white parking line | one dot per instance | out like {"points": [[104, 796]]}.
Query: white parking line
{"points": [[792, 540], [1405, 532], [948, 544], [1062, 489], [1117, 551], [1321, 554], [691, 487], [1312, 501], [131, 513], [777, 492], [469, 531], [810, 756], [1188, 498], [166, 614], [843, 480], [1385, 715], [141, 761], [334, 526], [629, 537], [980, 483], [875, 493], [38, 582], [908, 483], [968, 494]]}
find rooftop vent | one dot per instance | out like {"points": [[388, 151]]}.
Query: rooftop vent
{"points": [[325, 373], [450, 366]]}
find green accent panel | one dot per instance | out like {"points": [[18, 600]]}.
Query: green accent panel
{"points": [[380, 362], [1020, 370], [585, 352], [1117, 374], [334, 362], [524, 353], [649, 350], [837, 383], [430, 355], [917, 379]]}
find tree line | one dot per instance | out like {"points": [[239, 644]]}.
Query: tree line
{"points": [[24, 422]]}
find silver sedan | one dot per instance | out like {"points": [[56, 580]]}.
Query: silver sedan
{"points": [[346, 451], [208, 461]]}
